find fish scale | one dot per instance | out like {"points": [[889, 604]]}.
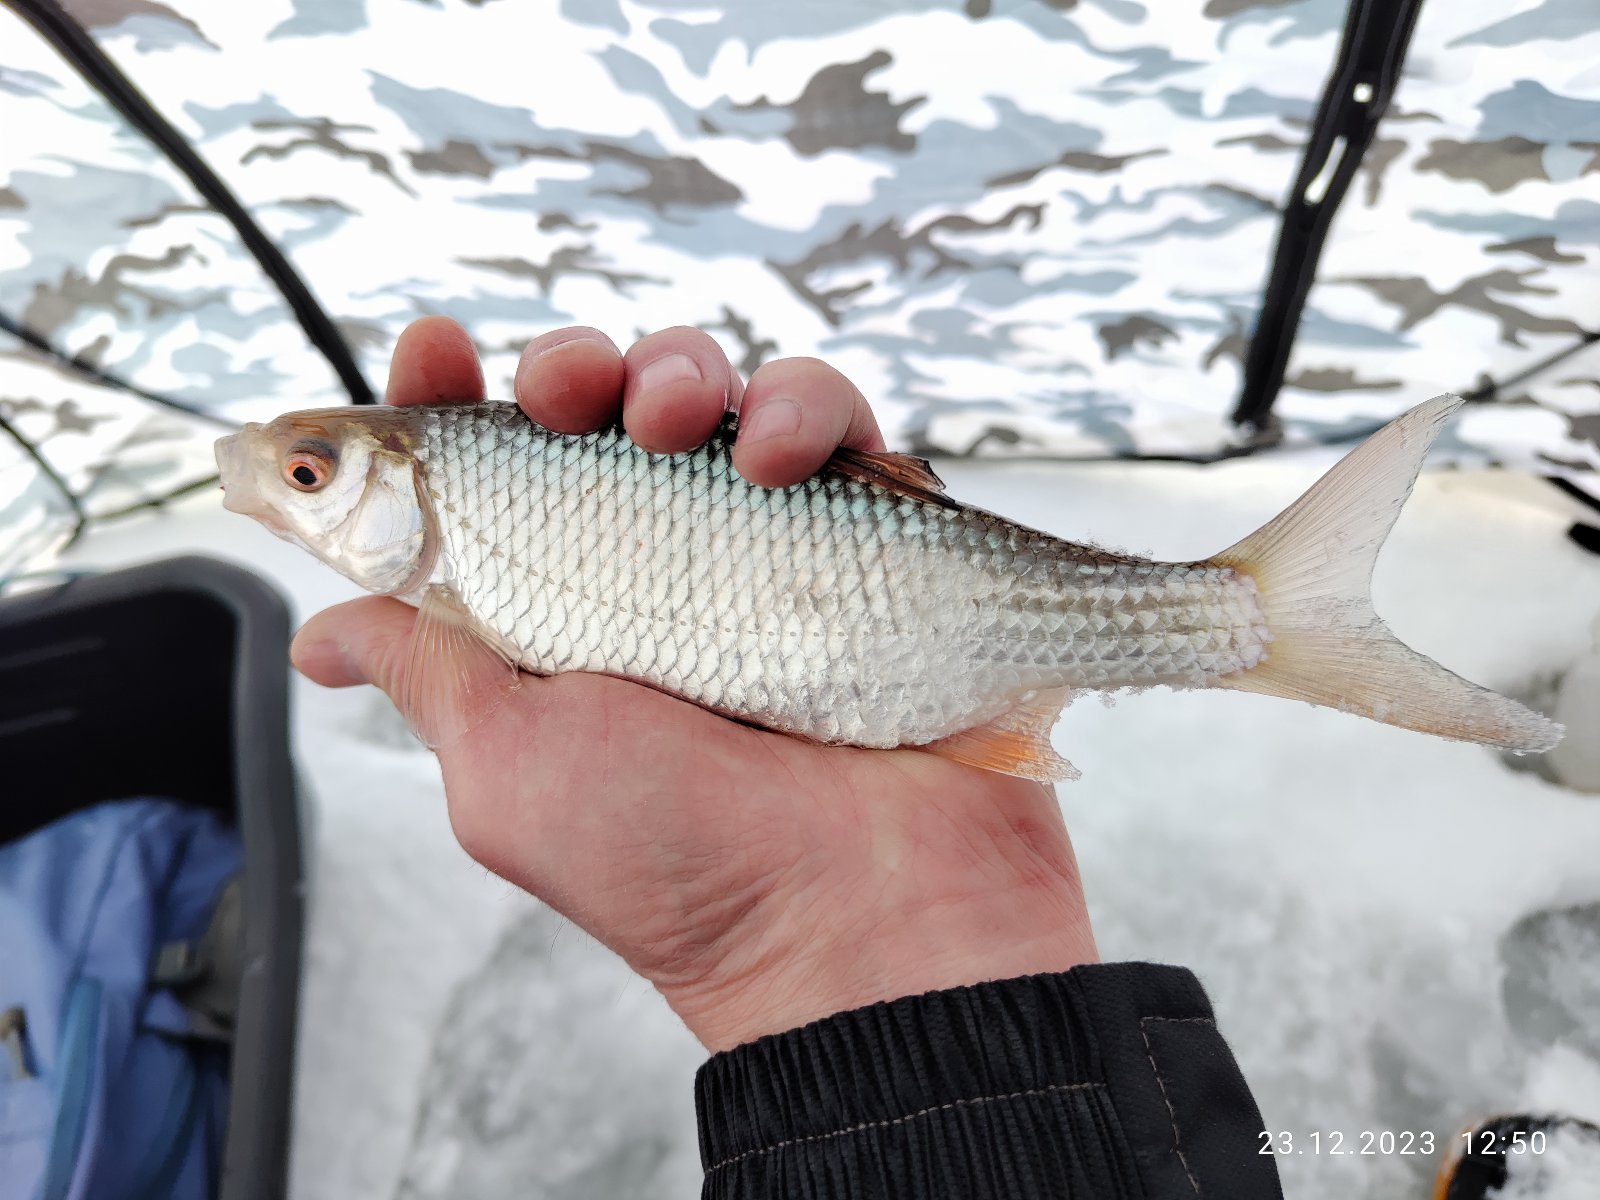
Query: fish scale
{"points": [[838, 609]]}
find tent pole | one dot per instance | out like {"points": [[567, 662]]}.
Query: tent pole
{"points": [[85, 56], [1365, 74]]}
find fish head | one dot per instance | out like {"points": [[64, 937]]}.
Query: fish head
{"points": [[342, 483]]}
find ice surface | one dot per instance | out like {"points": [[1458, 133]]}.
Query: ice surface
{"points": [[1344, 890], [543, 1002]]}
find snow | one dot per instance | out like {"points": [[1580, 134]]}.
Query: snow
{"points": [[1564, 1168], [1345, 891], [1576, 762]]}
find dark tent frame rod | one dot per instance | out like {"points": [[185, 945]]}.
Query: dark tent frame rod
{"points": [[80, 515], [1372, 51], [1581, 533], [1576, 492], [1490, 389], [84, 367], [81, 52]]}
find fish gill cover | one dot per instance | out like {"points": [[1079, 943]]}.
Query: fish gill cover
{"points": [[1037, 227]]}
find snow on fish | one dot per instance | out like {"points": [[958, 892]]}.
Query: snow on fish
{"points": [[862, 607]]}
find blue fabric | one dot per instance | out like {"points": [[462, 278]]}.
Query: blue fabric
{"points": [[122, 1105]]}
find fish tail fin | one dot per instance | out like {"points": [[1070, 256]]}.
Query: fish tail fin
{"points": [[1312, 565]]}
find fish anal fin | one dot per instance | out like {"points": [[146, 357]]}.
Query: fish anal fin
{"points": [[456, 673], [1015, 743], [902, 473]]}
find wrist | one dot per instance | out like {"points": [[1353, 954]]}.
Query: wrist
{"points": [[944, 946], [819, 959]]}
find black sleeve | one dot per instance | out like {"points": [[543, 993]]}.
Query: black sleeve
{"points": [[1106, 1082]]}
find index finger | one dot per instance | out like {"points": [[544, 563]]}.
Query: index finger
{"points": [[434, 362]]}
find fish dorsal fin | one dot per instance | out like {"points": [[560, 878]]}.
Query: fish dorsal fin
{"points": [[902, 473], [456, 673], [1016, 742]]}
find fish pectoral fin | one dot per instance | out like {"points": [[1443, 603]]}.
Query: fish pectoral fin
{"points": [[456, 673], [902, 473], [1015, 743]]}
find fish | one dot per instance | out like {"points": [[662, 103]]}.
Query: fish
{"points": [[863, 607]]}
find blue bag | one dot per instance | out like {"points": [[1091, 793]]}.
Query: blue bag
{"points": [[105, 1091]]}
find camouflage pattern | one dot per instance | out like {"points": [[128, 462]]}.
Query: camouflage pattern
{"points": [[1024, 227]]}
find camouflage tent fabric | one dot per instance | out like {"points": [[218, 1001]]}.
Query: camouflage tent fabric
{"points": [[1035, 227]]}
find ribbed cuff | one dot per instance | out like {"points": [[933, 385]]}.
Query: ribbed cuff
{"points": [[1104, 1081]]}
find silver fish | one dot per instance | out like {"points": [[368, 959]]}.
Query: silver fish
{"points": [[862, 607]]}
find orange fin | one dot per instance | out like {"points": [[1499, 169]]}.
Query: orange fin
{"points": [[902, 473], [1016, 742], [455, 673]]}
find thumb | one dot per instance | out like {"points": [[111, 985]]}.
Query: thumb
{"points": [[360, 641], [445, 687]]}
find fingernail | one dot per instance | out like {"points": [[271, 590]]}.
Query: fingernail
{"points": [[580, 339], [775, 418], [670, 368]]}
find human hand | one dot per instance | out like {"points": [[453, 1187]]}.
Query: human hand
{"points": [[759, 882]]}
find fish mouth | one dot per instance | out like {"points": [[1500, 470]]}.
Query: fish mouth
{"points": [[239, 491], [238, 455]]}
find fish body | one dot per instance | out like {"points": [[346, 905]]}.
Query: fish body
{"points": [[836, 609], [861, 607]]}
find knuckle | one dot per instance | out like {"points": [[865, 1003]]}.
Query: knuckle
{"points": [[386, 654], [683, 330], [562, 337], [684, 339], [802, 367]]}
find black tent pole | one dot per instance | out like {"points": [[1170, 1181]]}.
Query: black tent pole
{"points": [[80, 50], [1365, 74], [82, 366]]}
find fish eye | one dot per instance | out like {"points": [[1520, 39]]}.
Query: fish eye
{"points": [[307, 470]]}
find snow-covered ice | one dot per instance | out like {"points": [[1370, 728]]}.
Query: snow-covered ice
{"points": [[1344, 890], [1565, 1168], [1576, 761]]}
